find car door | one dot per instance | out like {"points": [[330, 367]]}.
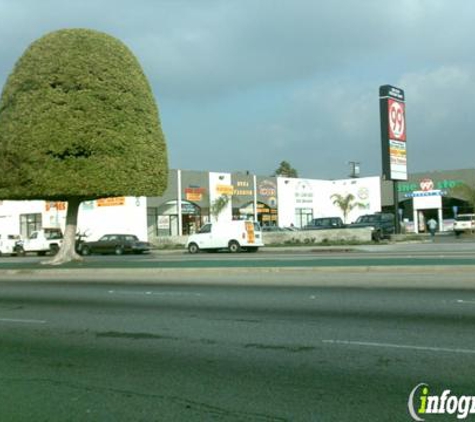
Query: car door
{"points": [[103, 244], [205, 237], [113, 241], [33, 242]]}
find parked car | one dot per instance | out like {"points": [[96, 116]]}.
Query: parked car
{"points": [[234, 236], [382, 224], [9, 244], [325, 223], [117, 244], [464, 223]]}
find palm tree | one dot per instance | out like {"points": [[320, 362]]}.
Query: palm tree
{"points": [[345, 203]]}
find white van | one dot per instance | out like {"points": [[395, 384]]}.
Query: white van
{"points": [[464, 223], [232, 235]]}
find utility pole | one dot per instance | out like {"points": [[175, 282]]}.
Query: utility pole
{"points": [[354, 169]]}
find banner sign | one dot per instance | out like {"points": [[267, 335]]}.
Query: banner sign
{"points": [[111, 202], [393, 132]]}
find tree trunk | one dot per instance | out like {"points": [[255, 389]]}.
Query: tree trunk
{"points": [[67, 252]]}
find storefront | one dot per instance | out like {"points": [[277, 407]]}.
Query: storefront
{"points": [[191, 197], [429, 195]]}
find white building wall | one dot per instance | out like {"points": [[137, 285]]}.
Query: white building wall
{"points": [[131, 217], [10, 212], [294, 193], [366, 190]]}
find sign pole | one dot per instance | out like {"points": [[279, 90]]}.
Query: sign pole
{"points": [[397, 229], [393, 141]]}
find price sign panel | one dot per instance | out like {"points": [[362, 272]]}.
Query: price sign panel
{"points": [[393, 132]]}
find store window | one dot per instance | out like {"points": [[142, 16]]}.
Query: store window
{"points": [[30, 223], [163, 221], [303, 216]]}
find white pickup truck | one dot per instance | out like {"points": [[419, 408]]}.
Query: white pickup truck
{"points": [[43, 241]]}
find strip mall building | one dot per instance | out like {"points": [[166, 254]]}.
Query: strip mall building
{"points": [[187, 203]]}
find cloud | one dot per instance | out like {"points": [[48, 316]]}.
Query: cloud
{"points": [[245, 84], [439, 116]]}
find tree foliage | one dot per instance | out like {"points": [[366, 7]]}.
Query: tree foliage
{"points": [[346, 203], [78, 121], [466, 193], [286, 170]]}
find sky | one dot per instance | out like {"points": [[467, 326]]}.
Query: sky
{"points": [[242, 85]]}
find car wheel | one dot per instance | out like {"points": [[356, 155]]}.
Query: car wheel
{"points": [[234, 246], [53, 249], [377, 236], [20, 251], [119, 250], [193, 248], [85, 250]]}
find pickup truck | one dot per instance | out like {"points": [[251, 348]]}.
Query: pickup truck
{"points": [[41, 242], [381, 223]]}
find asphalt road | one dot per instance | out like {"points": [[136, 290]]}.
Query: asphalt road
{"points": [[317, 347]]}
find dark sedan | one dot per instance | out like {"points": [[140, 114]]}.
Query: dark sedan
{"points": [[117, 244]]}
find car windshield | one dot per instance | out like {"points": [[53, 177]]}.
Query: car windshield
{"points": [[367, 219], [53, 234], [131, 238], [464, 218], [205, 229]]}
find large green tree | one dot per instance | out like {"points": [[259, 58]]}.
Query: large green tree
{"points": [[78, 121], [286, 170], [466, 193]]}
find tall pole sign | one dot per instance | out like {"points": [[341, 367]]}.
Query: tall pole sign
{"points": [[392, 109], [393, 132]]}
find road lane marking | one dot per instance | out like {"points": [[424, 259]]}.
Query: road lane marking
{"points": [[23, 321], [400, 346], [471, 302], [149, 293]]}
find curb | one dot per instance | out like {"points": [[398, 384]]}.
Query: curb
{"points": [[142, 273]]}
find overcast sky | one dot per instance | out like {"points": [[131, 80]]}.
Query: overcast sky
{"points": [[245, 84]]}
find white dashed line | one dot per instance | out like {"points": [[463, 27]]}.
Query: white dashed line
{"points": [[149, 293], [400, 346], [23, 321]]}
